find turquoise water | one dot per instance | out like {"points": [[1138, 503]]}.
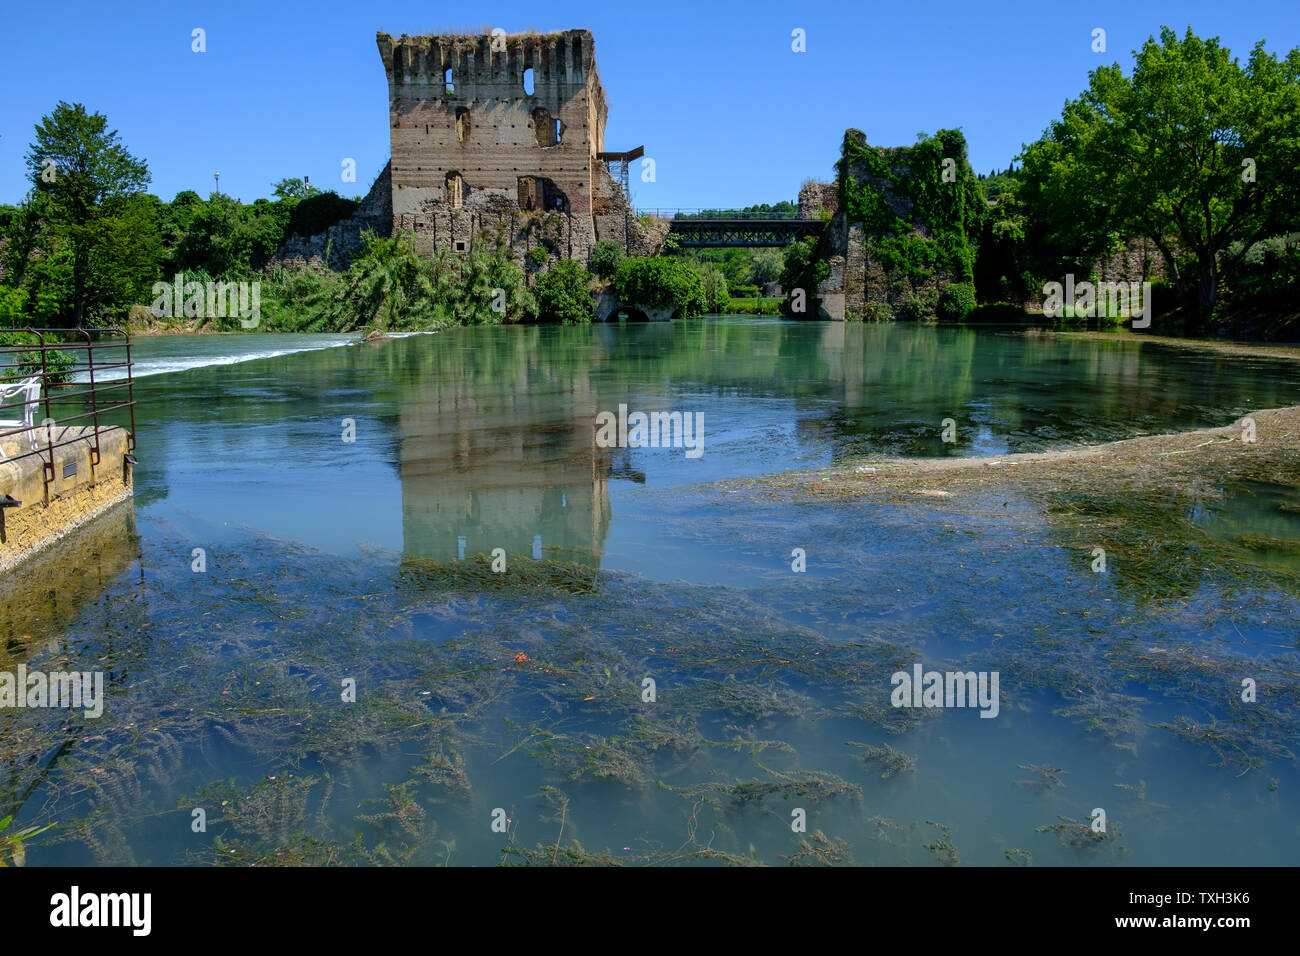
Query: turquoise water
{"points": [[329, 560]]}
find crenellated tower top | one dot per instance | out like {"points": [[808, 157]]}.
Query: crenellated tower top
{"points": [[487, 64]]}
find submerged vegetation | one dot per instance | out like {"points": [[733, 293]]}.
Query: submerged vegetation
{"points": [[891, 761], [478, 690], [540, 713], [14, 841]]}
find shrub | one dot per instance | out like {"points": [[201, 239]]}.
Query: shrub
{"points": [[59, 365], [318, 212], [918, 308], [877, 312], [605, 257], [392, 287], [564, 294], [295, 298], [804, 268], [716, 298], [661, 282], [956, 301], [538, 255], [12, 302]]}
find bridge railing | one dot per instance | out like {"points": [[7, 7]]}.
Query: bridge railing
{"points": [[719, 214]]}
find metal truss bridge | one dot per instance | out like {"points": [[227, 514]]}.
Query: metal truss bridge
{"points": [[756, 229]]}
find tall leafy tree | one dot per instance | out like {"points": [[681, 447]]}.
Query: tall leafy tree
{"points": [[1193, 150], [81, 168], [23, 237], [216, 241], [766, 265], [124, 261], [289, 189]]}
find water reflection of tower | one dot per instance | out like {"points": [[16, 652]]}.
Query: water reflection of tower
{"points": [[513, 467]]}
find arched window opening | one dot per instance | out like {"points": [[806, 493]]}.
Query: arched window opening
{"points": [[528, 82], [462, 125], [447, 81], [455, 189]]}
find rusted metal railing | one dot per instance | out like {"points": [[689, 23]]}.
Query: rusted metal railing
{"points": [[81, 398]]}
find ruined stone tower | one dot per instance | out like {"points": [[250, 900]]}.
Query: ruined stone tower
{"points": [[502, 136]]}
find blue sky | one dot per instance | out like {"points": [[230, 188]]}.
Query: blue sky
{"points": [[729, 112]]}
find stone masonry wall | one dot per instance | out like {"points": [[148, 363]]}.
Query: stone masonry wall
{"points": [[1138, 260], [471, 147], [857, 280], [475, 157], [78, 492], [343, 239], [814, 198]]}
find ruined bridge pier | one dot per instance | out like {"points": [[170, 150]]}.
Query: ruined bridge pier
{"points": [[504, 133], [502, 136]]}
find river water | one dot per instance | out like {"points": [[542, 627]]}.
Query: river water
{"points": [[316, 520]]}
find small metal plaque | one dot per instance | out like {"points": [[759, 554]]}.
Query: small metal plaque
{"points": [[69, 469]]}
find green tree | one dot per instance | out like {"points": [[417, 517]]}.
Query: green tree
{"points": [[81, 167], [605, 257], [48, 283], [176, 220], [956, 301], [766, 266], [22, 236], [1003, 258], [780, 210], [564, 294], [124, 261], [264, 225], [289, 189], [1193, 151], [662, 282], [804, 268], [215, 241], [716, 297], [317, 213]]}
